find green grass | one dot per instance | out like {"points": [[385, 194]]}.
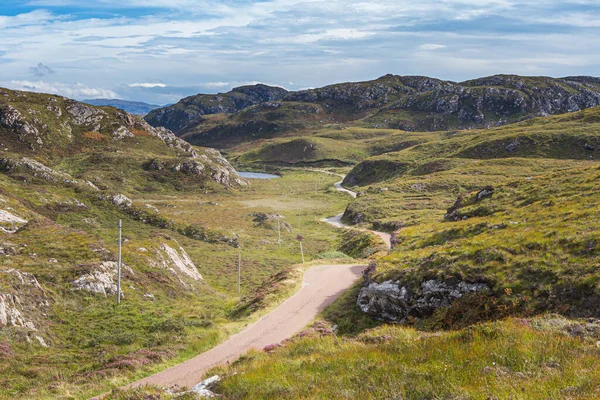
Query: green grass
{"points": [[96, 346], [517, 358]]}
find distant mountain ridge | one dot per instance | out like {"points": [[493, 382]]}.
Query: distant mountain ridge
{"points": [[410, 103], [188, 112], [132, 107]]}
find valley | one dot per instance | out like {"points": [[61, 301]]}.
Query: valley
{"points": [[471, 207]]}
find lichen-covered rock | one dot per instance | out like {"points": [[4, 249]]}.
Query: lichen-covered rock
{"points": [[176, 261], [25, 305], [394, 302], [101, 278], [10, 223], [121, 200], [121, 133]]}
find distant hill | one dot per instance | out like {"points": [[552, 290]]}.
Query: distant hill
{"points": [[132, 107], [409, 103], [188, 112]]}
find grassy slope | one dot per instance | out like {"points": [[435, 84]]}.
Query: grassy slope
{"points": [[524, 359], [106, 349], [534, 242], [94, 345], [424, 180]]}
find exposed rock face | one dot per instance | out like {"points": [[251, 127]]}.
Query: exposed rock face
{"points": [[24, 305], [10, 223], [481, 102], [11, 118], [176, 261], [210, 164], [412, 103], [190, 110], [121, 200], [391, 301], [101, 279]]}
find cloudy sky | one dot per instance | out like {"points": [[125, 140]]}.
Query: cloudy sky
{"points": [[161, 50]]}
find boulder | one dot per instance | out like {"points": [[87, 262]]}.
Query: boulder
{"points": [[394, 302]]}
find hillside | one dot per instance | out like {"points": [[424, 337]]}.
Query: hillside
{"points": [[132, 107], [188, 112], [68, 173], [423, 180], [406, 103], [490, 291]]}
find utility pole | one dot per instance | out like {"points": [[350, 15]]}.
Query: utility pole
{"points": [[300, 238], [239, 272], [119, 265], [278, 230]]}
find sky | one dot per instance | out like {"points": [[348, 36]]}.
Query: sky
{"points": [[159, 51]]}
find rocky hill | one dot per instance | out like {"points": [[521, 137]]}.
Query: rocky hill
{"points": [[188, 112], [53, 136], [69, 172], [410, 103]]}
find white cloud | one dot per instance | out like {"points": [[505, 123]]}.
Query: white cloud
{"points": [[74, 91], [215, 84], [147, 85], [210, 45], [431, 46]]}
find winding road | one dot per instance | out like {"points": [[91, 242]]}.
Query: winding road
{"points": [[322, 285], [337, 220]]}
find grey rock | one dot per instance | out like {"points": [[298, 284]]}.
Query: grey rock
{"points": [[101, 279], [203, 389], [121, 200], [392, 301]]}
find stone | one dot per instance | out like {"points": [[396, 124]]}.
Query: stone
{"points": [[203, 389], [176, 261], [394, 302], [121, 201], [101, 279]]}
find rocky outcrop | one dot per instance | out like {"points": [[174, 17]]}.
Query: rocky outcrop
{"points": [[392, 301], [12, 119], [24, 306], [39, 170], [271, 221], [210, 163], [101, 278], [177, 261], [189, 111], [121, 200], [10, 223]]}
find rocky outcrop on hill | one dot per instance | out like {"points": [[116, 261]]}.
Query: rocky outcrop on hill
{"points": [[101, 278], [411, 103], [10, 223], [177, 261], [37, 130], [392, 301], [210, 163], [189, 111], [24, 306]]}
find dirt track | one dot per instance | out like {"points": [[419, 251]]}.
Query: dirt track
{"points": [[322, 285]]}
